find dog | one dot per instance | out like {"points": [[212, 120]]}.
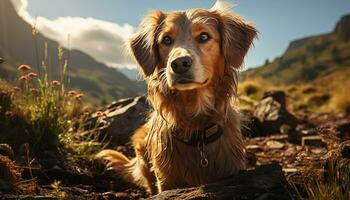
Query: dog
{"points": [[190, 61]]}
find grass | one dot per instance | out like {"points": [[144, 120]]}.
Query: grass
{"points": [[335, 185], [40, 110], [41, 114]]}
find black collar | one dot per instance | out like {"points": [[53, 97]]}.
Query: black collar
{"points": [[206, 136]]}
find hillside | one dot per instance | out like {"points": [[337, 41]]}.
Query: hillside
{"points": [[313, 72], [18, 46], [309, 58]]}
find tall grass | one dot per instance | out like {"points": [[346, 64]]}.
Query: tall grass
{"points": [[335, 185], [41, 111]]}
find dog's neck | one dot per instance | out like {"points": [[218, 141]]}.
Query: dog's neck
{"points": [[191, 110]]}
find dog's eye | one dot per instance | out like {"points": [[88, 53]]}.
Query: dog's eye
{"points": [[167, 40], [203, 37]]}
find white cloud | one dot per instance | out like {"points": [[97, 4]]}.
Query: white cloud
{"points": [[104, 41]]}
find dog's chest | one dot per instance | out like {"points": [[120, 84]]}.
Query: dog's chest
{"points": [[182, 166]]}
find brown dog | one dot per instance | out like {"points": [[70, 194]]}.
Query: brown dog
{"points": [[189, 60]]}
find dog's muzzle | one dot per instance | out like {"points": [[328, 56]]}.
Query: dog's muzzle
{"points": [[181, 65]]}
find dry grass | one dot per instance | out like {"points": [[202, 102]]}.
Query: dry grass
{"points": [[341, 101], [327, 94], [334, 185]]}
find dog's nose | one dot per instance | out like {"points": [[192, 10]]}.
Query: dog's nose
{"points": [[181, 65]]}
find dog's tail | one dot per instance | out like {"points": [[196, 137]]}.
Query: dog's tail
{"points": [[122, 165]]}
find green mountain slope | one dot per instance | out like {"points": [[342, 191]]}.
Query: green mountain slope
{"points": [[18, 46], [310, 58]]}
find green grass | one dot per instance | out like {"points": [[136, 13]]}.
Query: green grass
{"points": [[42, 112]]}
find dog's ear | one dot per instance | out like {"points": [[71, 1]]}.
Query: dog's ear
{"points": [[143, 44], [237, 35]]}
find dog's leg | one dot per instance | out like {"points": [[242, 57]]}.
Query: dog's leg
{"points": [[136, 170]]}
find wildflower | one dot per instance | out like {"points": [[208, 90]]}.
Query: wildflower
{"points": [[23, 78], [72, 93], [23, 68], [55, 83], [79, 96], [32, 75], [33, 90]]}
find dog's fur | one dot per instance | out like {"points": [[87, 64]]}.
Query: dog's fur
{"points": [[163, 162]]}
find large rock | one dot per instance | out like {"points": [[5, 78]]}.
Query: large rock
{"points": [[272, 113], [265, 182], [343, 27], [121, 118], [251, 126]]}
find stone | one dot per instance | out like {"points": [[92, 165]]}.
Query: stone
{"points": [[272, 113], [6, 150], [314, 140], [274, 144], [344, 130], [121, 119], [251, 126], [319, 150], [277, 95], [294, 136], [1, 60], [345, 149], [264, 182]]}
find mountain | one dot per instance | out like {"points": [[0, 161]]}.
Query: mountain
{"points": [[132, 74], [309, 59], [19, 46]]}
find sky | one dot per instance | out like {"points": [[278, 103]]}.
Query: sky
{"points": [[101, 27]]}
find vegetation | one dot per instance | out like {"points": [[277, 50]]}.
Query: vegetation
{"points": [[313, 72], [335, 185]]}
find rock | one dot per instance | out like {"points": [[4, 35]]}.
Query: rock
{"points": [[278, 96], [343, 27], [345, 149], [272, 113], [344, 130], [274, 144], [122, 118], [294, 136], [1, 60], [314, 140], [254, 148], [265, 182], [251, 126], [6, 150]]}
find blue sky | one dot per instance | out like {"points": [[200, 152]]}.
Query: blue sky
{"points": [[278, 21]]}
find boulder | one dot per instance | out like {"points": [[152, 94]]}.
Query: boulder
{"points": [[272, 113], [264, 182], [121, 118], [251, 126]]}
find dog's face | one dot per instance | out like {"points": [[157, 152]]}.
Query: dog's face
{"points": [[187, 50]]}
